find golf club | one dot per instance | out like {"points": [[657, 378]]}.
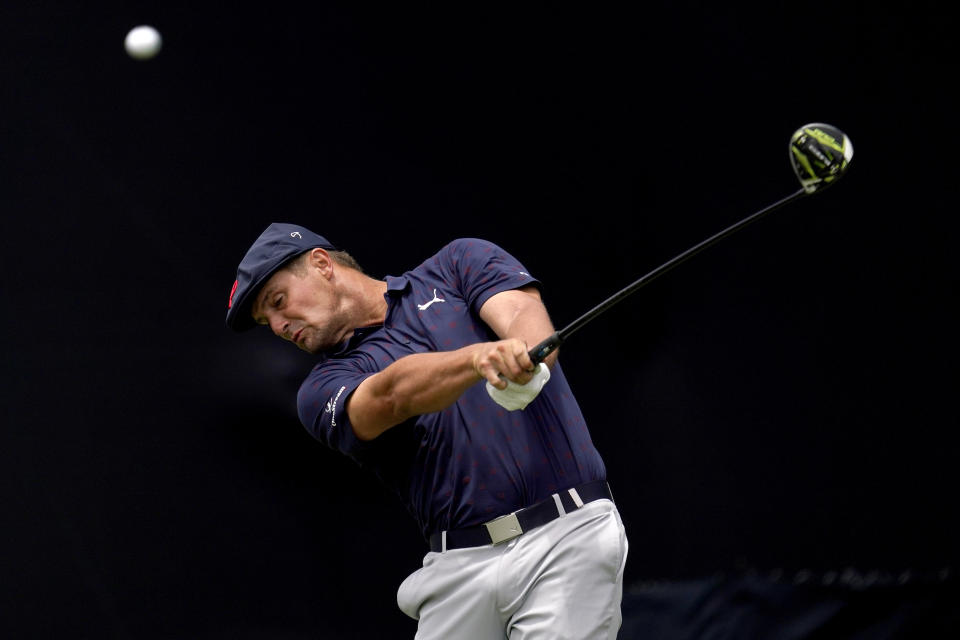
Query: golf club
{"points": [[819, 153]]}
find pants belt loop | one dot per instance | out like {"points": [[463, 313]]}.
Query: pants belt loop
{"points": [[560, 509], [576, 497], [443, 541]]}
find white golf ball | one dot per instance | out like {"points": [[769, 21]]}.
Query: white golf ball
{"points": [[143, 42]]}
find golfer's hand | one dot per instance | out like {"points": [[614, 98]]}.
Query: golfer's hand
{"points": [[517, 396], [503, 361]]}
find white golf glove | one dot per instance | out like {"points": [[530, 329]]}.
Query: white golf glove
{"points": [[517, 396]]}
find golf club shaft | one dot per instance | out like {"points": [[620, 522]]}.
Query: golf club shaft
{"points": [[548, 346]]}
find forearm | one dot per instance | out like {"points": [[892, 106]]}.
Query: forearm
{"points": [[533, 326], [413, 385], [520, 314], [427, 382]]}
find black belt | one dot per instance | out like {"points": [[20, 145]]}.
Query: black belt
{"points": [[512, 525]]}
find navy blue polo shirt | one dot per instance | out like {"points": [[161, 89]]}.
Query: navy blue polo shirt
{"points": [[473, 461]]}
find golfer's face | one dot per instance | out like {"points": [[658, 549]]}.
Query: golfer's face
{"points": [[299, 307]]}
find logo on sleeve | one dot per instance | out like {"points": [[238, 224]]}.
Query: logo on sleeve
{"points": [[332, 407]]}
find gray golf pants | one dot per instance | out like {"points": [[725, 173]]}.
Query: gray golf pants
{"points": [[562, 580]]}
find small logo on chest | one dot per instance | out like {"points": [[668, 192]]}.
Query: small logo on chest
{"points": [[424, 306]]}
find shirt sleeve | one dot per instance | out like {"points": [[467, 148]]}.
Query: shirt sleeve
{"points": [[322, 404], [482, 269]]}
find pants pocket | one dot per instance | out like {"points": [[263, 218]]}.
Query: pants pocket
{"points": [[408, 595]]}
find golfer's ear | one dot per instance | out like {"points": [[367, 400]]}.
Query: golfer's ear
{"points": [[318, 258]]}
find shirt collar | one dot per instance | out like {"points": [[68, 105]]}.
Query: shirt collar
{"points": [[397, 284], [359, 334]]}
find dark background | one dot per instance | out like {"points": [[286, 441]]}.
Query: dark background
{"points": [[784, 404]]}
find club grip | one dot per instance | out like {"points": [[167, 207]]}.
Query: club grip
{"points": [[540, 352]]}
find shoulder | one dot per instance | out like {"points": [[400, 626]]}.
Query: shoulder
{"points": [[466, 245], [473, 250], [459, 254]]}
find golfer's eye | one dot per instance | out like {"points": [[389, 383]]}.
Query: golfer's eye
{"points": [[277, 302]]}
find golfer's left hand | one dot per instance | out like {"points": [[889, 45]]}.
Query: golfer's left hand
{"points": [[518, 396]]}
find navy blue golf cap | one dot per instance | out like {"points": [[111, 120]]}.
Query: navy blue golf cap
{"points": [[276, 246]]}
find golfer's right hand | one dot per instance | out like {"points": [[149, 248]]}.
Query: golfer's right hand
{"points": [[503, 361]]}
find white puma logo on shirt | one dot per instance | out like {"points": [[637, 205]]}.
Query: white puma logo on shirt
{"points": [[427, 304]]}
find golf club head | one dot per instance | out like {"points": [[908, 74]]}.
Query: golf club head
{"points": [[819, 154]]}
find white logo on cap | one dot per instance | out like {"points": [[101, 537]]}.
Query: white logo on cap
{"points": [[296, 234]]}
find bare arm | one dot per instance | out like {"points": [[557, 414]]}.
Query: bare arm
{"points": [[520, 314], [427, 382]]}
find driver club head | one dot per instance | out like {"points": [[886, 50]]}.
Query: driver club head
{"points": [[819, 154]]}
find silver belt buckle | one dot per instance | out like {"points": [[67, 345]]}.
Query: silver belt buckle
{"points": [[504, 528]]}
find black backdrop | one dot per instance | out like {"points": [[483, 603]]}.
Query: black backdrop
{"points": [[782, 405]]}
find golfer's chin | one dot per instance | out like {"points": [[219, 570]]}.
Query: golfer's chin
{"points": [[306, 345], [309, 343]]}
